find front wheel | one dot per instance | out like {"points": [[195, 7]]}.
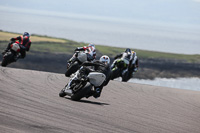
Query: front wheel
{"points": [[72, 69], [7, 59], [126, 76], [115, 73]]}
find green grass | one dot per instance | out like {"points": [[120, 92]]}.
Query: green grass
{"points": [[53, 47], [112, 51], [60, 45], [170, 56]]}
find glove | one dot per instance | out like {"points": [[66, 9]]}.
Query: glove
{"points": [[22, 47], [12, 39], [115, 57], [3, 52]]}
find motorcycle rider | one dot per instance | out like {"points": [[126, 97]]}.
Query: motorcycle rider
{"points": [[24, 43], [131, 57], [90, 49], [103, 66], [88, 53]]}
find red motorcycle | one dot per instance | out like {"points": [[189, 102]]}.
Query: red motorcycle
{"points": [[12, 54]]}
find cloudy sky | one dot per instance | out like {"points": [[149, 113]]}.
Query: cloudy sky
{"points": [[159, 25], [168, 11]]}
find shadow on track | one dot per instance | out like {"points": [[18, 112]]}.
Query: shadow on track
{"points": [[90, 102]]}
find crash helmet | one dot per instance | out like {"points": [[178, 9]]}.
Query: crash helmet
{"points": [[91, 45], [91, 48], [128, 50], [128, 53], [26, 34], [105, 59]]}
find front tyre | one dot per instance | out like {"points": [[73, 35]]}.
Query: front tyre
{"points": [[4, 63], [72, 69], [7, 59], [62, 93], [125, 76], [115, 73]]}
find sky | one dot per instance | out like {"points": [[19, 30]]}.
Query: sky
{"points": [[183, 12], [160, 25]]}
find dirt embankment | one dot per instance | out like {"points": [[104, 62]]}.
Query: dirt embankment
{"points": [[148, 68], [29, 103]]}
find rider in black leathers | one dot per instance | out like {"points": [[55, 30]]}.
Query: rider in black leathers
{"points": [[103, 66]]}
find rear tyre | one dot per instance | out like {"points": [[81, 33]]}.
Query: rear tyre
{"points": [[82, 93]]}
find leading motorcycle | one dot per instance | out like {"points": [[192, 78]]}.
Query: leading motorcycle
{"points": [[80, 86], [11, 55]]}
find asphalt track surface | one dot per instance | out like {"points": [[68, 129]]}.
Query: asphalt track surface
{"points": [[29, 103]]}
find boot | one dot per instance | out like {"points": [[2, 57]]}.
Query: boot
{"points": [[91, 93], [97, 92], [17, 57]]}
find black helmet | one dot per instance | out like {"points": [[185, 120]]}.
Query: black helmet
{"points": [[128, 50], [26, 34]]}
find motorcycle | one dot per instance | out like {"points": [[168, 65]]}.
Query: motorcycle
{"points": [[78, 58], [120, 68], [80, 86], [11, 55]]}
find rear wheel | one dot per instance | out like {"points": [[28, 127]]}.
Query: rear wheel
{"points": [[82, 92]]}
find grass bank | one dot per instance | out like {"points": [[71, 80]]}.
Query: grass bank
{"points": [[51, 54], [60, 45]]}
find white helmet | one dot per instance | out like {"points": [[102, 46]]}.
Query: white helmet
{"points": [[105, 59]]}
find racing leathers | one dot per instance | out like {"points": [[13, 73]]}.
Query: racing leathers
{"points": [[24, 43], [90, 51], [133, 61], [98, 67]]}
